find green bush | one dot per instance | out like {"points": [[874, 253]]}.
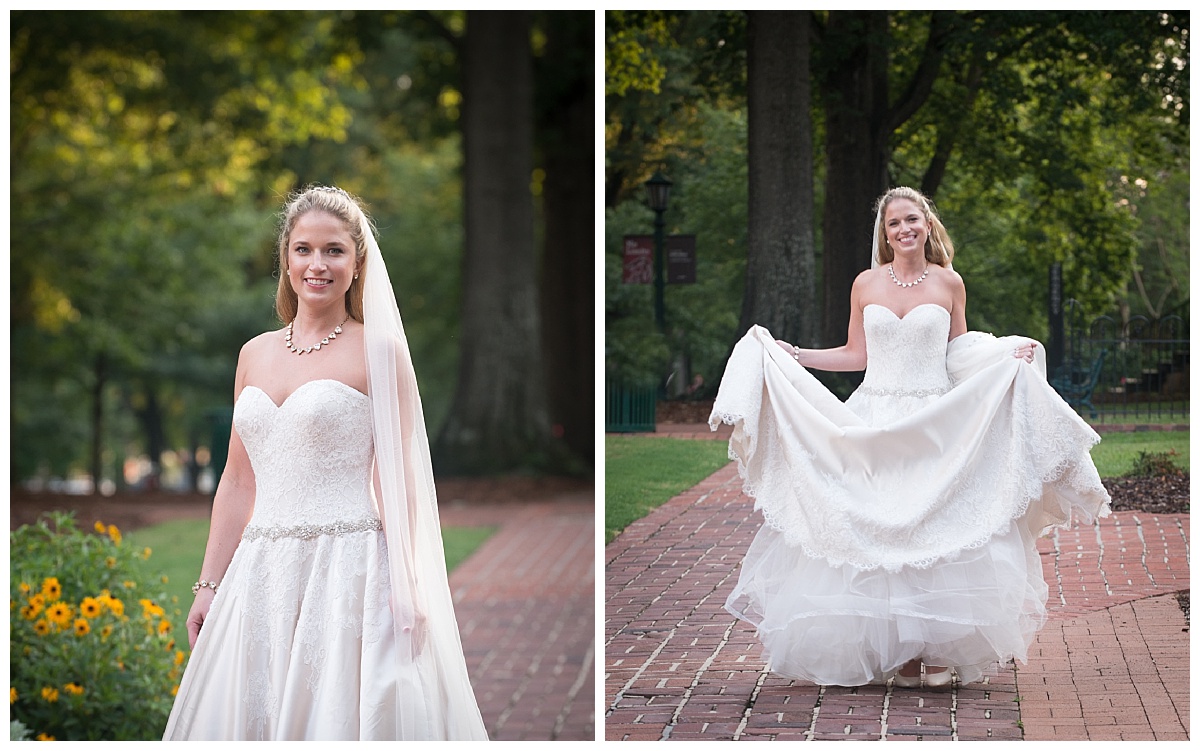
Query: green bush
{"points": [[92, 647], [1155, 464]]}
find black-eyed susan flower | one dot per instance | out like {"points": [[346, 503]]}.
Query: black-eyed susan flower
{"points": [[114, 534], [129, 584], [179, 657], [42, 627], [51, 588], [50, 694], [59, 613], [150, 608], [110, 562], [29, 612], [73, 688], [164, 626], [90, 607], [146, 553], [81, 627], [24, 588], [44, 737], [174, 689], [12, 695], [99, 526]]}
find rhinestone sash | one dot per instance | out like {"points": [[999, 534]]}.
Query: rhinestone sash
{"points": [[310, 531]]}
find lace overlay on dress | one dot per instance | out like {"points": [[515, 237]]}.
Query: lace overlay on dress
{"points": [[887, 481]]}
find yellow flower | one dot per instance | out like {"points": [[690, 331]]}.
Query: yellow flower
{"points": [[150, 609], [170, 645], [12, 695], [29, 612], [104, 632], [60, 613], [100, 527], [90, 607], [128, 584], [110, 562], [81, 627], [174, 689], [44, 737], [42, 627], [113, 604], [38, 599], [24, 587], [73, 688], [179, 657], [51, 588], [50, 694], [165, 579], [164, 626], [114, 533], [146, 553]]}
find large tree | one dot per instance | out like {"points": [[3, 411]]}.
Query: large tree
{"points": [[780, 266], [499, 417]]}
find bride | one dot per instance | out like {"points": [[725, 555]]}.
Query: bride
{"points": [[899, 527], [323, 609]]}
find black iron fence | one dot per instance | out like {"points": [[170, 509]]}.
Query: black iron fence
{"points": [[1134, 371]]}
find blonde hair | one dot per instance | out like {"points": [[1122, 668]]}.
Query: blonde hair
{"points": [[938, 248], [335, 202]]}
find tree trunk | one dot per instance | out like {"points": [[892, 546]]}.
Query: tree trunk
{"points": [[780, 272], [498, 420], [855, 94], [567, 139]]}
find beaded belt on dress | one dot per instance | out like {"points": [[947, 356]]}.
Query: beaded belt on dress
{"points": [[872, 391], [309, 531]]}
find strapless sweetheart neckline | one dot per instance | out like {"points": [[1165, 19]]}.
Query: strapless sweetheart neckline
{"points": [[902, 317], [301, 387]]}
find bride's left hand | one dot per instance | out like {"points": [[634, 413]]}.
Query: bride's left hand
{"points": [[1025, 352]]}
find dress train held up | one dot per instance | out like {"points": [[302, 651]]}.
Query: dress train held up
{"points": [[901, 524]]}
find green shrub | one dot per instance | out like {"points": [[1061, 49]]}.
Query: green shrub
{"points": [[1155, 464], [92, 648]]}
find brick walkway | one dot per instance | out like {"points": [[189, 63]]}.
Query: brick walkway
{"points": [[525, 602], [1112, 662]]}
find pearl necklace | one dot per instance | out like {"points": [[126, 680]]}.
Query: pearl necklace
{"points": [[908, 284], [287, 341]]}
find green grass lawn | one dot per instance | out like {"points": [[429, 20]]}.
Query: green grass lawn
{"points": [[643, 472], [1116, 452]]}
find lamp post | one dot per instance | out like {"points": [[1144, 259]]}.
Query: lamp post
{"points": [[658, 190]]}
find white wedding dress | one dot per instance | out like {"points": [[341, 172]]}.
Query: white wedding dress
{"points": [[901, 524], [299, 641]]}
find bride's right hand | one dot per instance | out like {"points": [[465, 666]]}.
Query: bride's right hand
{"points": [[197, 614]]}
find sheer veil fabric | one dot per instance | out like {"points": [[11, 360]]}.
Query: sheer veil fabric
{"points": [[425, 624]]}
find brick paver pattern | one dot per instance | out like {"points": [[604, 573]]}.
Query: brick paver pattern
{"points": [[1111, 663], [525, 603]]}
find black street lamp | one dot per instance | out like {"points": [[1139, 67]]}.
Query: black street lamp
{"points": [[658, 190]]}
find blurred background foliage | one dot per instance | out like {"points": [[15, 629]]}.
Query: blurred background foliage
{"points": [[150, 154]]}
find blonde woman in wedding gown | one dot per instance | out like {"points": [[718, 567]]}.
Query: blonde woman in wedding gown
{"points": [[323, 610], [899, 527]]}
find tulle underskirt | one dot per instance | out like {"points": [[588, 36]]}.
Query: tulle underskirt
{"points": [[840, 625]]}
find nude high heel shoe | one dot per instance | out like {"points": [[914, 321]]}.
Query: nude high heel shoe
{"points": [[940, 679]]}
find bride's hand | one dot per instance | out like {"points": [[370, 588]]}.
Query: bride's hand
{"points": [[1025, 352], [198, 614], [786, 347], [417, 631]]}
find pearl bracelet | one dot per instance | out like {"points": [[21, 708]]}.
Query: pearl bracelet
{"points": [[795, 353], [202, 584]]}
